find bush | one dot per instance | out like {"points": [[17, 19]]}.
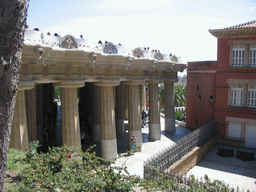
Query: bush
{"points": [[180, 116], [69, 169]]}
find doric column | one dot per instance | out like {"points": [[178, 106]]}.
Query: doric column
{"points": [[96, 130], [142, 98], [19, 133], [169, 108], [40, 112], [154, 113], [69, 113], [108, 126], [134, 114], [120, 108], [126, 89], [31, 114]]}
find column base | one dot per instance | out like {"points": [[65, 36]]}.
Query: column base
{"points": [[109, 149], [154, 132], [170, 125], [96, 132], [138, 135], [120, 126]]}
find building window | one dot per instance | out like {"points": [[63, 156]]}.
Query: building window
{"points": [[238, 53], [234, 130], [236, 95], [252, 56], [251, 95]]}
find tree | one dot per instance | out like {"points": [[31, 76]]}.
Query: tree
{"points": [[175, 58], [180, 94], [12, 21]]}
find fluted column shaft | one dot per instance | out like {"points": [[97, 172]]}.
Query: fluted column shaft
{"points": [[108, 126], [154, 113], [134, 114], [96, 131], [31, 114], [19, 132], [70, 117], [142, 98], [120, 108], [169, 108]]}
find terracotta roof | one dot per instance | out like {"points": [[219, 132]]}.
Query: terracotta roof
{"points": [[244, 29], [251, 24]]}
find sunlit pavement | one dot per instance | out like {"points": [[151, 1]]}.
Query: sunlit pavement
{"points": [[135, 162], [231, 170]]}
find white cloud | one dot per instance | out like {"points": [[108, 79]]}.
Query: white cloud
{"points": [[127, 5], [253, 8]]}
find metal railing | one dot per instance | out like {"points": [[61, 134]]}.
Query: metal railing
{"points": [[163, 160]]}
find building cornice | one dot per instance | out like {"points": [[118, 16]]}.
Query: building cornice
{"points": [[230, 33]]}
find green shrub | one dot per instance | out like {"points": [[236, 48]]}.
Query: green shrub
{"points": [[180, 116], [69, 169]]}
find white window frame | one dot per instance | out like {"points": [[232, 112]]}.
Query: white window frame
{"points": [[251, 95], [236, 95], [238, 56], [252, 56]]}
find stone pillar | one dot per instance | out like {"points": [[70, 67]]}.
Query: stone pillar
{"points": [[126, 101], [19, 133], [120, 109], [40, 112], [31, 114], [96, 130], [142, 98], [154, 113], [134, 114], [169, 108], [69, 113], [108, 126]]}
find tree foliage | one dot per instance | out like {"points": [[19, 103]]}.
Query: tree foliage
{"points": [[180, 94]]}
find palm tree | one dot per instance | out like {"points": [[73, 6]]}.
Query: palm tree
{"points": [[180, 94]]}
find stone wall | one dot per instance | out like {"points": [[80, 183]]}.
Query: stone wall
{"points": [[192, 158]]}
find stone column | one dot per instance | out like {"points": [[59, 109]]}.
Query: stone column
{"points": [[108, 126], [169, 108], [31, 114], [19, 133], [154, 113], [120, 109], [69, 113], [142, 97], [126, 89], [96, 130], [134, 114], [40, 112]]}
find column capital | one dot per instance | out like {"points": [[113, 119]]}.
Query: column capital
{"points": [[26, 85], [107, 83], [154, 81], [70, 84], [134, 82], [171, 81]]}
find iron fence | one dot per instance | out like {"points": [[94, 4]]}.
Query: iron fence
{"points": [[163, 160]]}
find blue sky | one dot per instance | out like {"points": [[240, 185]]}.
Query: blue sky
{"points": [[179, 27]]}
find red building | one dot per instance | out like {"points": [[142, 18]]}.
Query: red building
{"points": [[226, 90]]}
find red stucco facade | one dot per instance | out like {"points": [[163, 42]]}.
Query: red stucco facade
{"points": [[214, 78], [200, 93]]}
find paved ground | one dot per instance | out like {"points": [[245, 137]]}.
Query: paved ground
{"points": [[135, 162], [231, 170]]}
